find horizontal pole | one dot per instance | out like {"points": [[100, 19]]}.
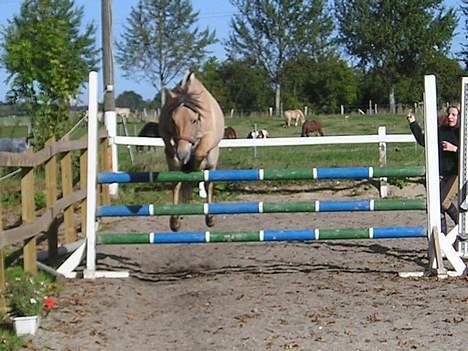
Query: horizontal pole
{"points": [[294, 141], [260, 174], [260, 207], [266, 235]]}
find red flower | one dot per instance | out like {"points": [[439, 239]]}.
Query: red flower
{"points": [[49, 302]]}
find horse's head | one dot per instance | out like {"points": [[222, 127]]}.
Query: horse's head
{"points": [[184, 116]]}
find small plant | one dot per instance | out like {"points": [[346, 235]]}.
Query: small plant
{"points": [[40, 199], [9, 341], [26, 295]]}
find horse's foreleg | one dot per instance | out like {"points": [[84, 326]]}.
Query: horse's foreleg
{"points": [[209, 219], [175, 221]]}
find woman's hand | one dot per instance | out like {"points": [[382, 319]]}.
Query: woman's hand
{"points": [[410, 117], [446, 146]]}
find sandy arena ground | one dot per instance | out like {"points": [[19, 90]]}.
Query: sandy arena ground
{"points": [[340, 295]]}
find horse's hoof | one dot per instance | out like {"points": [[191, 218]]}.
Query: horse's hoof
{"points": [[175, 224], [209, 220]]}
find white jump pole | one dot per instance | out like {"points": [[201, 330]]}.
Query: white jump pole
{"points": [[90, 271], [432, 179], [92, 174]]}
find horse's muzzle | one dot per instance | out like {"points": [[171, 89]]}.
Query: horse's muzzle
{"points": [[184, 150]]}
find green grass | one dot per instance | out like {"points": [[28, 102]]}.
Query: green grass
{"points": [[398, 154], [404, 154]]}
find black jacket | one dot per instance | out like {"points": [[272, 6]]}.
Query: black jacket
{"points": [[448, 161]]}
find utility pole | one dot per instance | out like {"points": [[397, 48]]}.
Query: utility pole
{"points": [[110, 119]]}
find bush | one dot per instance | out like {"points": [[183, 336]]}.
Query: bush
{"points": [[25, 295], [9, 341]]}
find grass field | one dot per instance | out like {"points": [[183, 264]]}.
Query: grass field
{"points": [[262, 157]]}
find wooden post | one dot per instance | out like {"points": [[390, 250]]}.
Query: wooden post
{"points": [[383, 162], [67, 189], [51, 193], [27, 215], [105, 166], [83, 185], [2, 267]]}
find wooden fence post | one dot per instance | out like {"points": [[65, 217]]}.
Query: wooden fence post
{"points": [[27, 215], [83, 185], [51, 194], [67, 189]]}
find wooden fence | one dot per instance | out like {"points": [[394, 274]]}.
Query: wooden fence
{"points": [[60, 205]]}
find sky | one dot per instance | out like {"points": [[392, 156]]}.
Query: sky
{"points": [[214, 14]]}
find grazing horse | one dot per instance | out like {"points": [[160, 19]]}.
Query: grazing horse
{"points": [[311, 127], [150, 129], [191, 125], [258, 134], [294, 115], [230, 133]]}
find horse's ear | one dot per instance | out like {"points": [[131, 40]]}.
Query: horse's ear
{"points": [[189, 76]]}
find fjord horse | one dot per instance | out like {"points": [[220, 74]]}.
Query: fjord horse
{"points": [[294, 115], [191, 125]]}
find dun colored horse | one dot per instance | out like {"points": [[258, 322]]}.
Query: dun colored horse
{"points": [[294, 115], [230, 133], [311, 127], [191, 125]]}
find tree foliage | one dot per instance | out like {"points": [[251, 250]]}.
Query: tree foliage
{"points": [[131, 100], [464, 51], [161, 41], [394, 39], [271, 32], [47, 59]]}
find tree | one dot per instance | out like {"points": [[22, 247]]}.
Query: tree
{"points": [[131, 100], [394, 38], [159, 42], [247, 85], [48, 60], [210, 75], [271, 32], [464, 51], [330, 83]]}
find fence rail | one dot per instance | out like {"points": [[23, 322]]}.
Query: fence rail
{"points": [[55, 159]]}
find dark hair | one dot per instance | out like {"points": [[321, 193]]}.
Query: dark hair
{"points": [[443, 120], [452, 106]]}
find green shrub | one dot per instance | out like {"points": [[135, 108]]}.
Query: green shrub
{"points": [[25, 295], [40, 199], [9, 341]]}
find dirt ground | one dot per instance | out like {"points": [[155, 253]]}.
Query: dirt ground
{"points": [[335, 295]]}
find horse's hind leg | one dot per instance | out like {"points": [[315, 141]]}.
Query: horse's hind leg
{"points": [[209, 219], [175, 221]]}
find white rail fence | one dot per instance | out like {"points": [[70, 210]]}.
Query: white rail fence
{"points": [[381, 139]]}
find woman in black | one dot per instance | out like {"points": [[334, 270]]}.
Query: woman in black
{"points": [[448, 135]]}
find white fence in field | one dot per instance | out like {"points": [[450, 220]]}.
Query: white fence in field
{"points": [[379, 138]]}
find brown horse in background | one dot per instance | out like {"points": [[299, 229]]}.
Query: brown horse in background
{"points": [[191, 125], [294, 115], [230, 133], [311, 127]]}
